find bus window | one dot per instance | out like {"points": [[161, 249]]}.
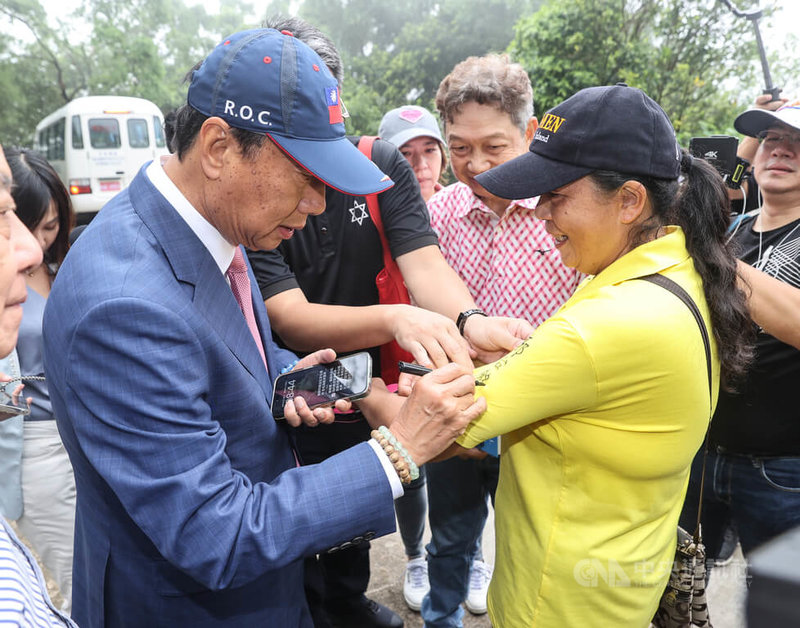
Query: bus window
{"points": [[138, 136], [51, 140], [158, 132], [42, 145], [104, 133], [77, 132], [61, 129]]}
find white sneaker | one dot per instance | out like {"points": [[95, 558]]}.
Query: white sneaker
{"points": [[415, 583], [480, 575]]}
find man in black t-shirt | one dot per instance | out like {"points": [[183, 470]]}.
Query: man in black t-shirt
{"points": [[319, 289], [335, 258], [333, 262], [753, 468]]}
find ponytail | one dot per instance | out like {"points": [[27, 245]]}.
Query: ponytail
{"points": [[702, 209], [699, 205]]}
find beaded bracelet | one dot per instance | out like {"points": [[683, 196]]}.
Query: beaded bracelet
{"points": [[398, 461], [400, 458]]}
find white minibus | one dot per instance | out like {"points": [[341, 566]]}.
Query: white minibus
{"points": [[97, 145]]}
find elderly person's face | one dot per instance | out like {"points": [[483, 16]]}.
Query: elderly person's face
{"points": [[258, 201], [591, 228], [777, 161], [481, 137], [19, 252]]}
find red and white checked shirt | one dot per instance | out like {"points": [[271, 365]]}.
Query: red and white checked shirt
{"points": [[497, 257]]}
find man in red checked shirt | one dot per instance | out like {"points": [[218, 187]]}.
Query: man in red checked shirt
{"points": [[506, 259]]}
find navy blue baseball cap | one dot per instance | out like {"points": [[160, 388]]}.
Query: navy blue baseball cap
{"points": [[617, 128], [269, 82]]}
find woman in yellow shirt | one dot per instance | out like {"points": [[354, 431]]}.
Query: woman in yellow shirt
{"points": [[603, 408]]}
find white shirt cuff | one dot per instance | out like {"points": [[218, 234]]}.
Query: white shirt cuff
{"points": [[388, 469]]}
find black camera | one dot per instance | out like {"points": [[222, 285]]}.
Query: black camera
{"points": [[720, 152]]}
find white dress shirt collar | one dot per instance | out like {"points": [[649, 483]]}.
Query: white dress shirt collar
{"points": [[221, 250]]}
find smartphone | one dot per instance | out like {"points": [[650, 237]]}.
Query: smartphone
{"points": [[349, 377]]}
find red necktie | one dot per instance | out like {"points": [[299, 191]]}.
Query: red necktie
{"points": [[240, 285]]}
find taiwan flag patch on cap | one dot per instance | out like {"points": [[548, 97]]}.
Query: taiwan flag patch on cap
{"points": [[334, 106]]}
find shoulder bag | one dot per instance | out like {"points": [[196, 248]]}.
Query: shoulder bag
{"points": [[683, 603]]}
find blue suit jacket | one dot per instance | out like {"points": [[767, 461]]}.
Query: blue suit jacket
{"points": [[191, 511]]}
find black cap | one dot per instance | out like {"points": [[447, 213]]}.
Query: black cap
{"points": [[617, 128]]}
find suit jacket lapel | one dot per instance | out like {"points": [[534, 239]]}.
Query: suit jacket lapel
{"points": [[193, 265]]}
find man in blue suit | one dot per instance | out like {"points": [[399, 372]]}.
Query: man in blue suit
{"points": [[192, 510]]}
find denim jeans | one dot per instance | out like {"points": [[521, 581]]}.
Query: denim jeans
{"points": [[458, 491], [758, 496], [411, 510]]}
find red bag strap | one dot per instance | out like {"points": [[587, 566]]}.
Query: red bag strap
{"points": [[365, 146]]}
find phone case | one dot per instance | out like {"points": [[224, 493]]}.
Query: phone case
{"points": [[323, 384]]}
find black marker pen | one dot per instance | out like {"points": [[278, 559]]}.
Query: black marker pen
{"points": [[418, 369]]}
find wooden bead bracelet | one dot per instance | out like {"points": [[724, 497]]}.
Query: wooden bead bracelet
{"points": [[406, 469]]}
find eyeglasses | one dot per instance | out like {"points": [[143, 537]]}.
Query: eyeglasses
{"points": [[772, 139]]}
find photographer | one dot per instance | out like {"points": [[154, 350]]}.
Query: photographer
{"points": [[753, 468], [748, 192]]}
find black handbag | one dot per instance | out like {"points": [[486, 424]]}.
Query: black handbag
{"points": [[683, 603]]}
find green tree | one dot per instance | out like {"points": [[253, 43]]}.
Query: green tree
{"points": [[125, 47], [689, 55], [37, 74], [145, 47], [398, 53], [359, 26]]}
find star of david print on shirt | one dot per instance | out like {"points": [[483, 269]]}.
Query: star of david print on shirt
{"points": [[358, 212]]}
